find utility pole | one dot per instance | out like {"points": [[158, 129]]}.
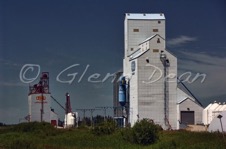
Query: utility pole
{"points": [[42, 98], [105, 111], [220, 116], [91, 115], [84, 113]]}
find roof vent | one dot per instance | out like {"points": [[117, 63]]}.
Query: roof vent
{"points": [[144, 14], [160, 14], [128, 14]]}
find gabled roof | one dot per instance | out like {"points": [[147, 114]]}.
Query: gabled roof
{"points": [[186, 94], [145, 16], [184, 99], [138, 52], [149, 38], [138, 55]]}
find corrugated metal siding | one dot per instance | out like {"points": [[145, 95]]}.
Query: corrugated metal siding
{"points": [[134, 96], [35, 107], [147, 100], [133, 39], [211, 111], [189, 105]]}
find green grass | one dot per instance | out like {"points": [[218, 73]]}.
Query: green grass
{"points": [[43, 136]]}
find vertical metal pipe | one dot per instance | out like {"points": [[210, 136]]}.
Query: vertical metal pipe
{"points": [[165, 111], [42, 104]]}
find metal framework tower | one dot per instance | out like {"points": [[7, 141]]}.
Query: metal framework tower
{"points": [[68, 104]]}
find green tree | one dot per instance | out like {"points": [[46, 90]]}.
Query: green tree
{"points": [[143, 132]]}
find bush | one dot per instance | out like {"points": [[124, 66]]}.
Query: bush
{"points": [[143, 132], [42, 129], [105, 128], [23, 144], [33, 127]]}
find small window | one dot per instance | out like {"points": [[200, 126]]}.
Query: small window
{"points": [[155, 30], [158, 40], [159, 22], [155, 50], [131, 49], [133, 66], [136, 30]]}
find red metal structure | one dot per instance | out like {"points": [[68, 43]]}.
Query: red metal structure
{"points": [[68, 104], [42, 86]]}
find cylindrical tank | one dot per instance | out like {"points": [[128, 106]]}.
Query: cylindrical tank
{"points": [[205, 114], [218, 123], [211, 112], [69, 120], [122, 91]]}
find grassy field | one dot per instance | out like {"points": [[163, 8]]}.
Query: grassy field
{"points": [[44, 136]]}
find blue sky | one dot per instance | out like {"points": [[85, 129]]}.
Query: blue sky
{"points": [[57, 34]]}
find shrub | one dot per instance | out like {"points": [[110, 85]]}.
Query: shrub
{"points": [[23, 144], [105, 128], [42, 129], [33, 126], [143, 132]]}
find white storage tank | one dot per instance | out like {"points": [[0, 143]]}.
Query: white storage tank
{"points": [[69, 120], [218, 123], [205, 114], [212, 111], [217, 111], [223, 107]]}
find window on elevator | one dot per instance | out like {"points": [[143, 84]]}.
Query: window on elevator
{"points": [[135, 30], [158, 40], [155, 30]]}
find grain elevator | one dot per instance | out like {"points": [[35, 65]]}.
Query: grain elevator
{"points": [[150, 71]]}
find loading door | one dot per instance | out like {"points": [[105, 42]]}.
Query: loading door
{"points": [[187, 117]]}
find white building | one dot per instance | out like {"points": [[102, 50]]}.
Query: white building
{"points": [[212, 111], [71, 120], [151, 72], [218, 123], [36, 105], [39, 102]]}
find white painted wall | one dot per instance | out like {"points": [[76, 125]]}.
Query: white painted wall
{"points": [[215, 124], [35, 107]]}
